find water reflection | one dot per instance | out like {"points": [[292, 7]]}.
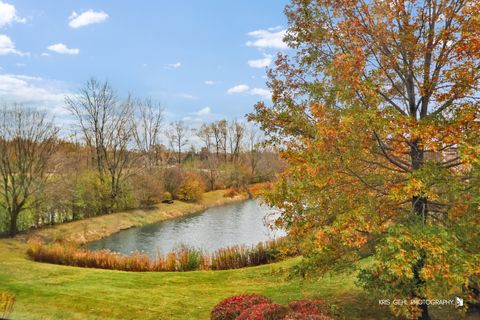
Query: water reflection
{"points": [[240, 223]]}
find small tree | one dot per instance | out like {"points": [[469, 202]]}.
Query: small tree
{"points": [[178, 138], [27, 140]]}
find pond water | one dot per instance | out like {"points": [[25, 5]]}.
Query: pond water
{"points": [[209, 230]]}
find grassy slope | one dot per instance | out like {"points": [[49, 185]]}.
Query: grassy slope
{"points": [[46, 291]]}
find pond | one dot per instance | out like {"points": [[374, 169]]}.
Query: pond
{"points": [[209, 230]]}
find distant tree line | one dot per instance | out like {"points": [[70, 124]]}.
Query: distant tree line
{"points": [[115, 159]]}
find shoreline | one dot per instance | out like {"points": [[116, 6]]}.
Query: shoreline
{"points": [[95, 228]]}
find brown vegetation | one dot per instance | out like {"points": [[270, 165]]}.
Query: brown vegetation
{"points": [[182, 259]]}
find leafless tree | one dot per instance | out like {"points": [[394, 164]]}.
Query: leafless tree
{"points": [[236, 131], [220, 133], [147, 130], [205, 133], [178, 138], [107, 126], [253, 147], [27, 140]]}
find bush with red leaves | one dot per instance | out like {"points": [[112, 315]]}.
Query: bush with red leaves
{"points": [[264, 311], [309, 307], [231, 308]]}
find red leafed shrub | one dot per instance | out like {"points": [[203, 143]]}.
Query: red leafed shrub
{"points": [[308, 307], [230, 308], [302, 316], [264, 311]]}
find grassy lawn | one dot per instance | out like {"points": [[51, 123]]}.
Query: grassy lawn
{"points": [[46, 291]]}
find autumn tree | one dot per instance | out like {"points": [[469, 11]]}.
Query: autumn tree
{"points": [[377, 115], [27, 140]]}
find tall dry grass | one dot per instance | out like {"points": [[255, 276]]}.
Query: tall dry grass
{"points": [[182, 259], [7, 301]]}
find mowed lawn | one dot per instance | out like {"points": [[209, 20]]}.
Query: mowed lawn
{"points": [[46, 291]]}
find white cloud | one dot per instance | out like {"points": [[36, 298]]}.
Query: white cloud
{"points": [[186, 96], [209, 82], [63, 49], [45, 54], [264, 93], [238, 89], [204, 111], [7, 46], [243, 88], [8, 14], [86, 18], [33, 91], [19, 64], [270, 38], [261, 63], [174, 65]]}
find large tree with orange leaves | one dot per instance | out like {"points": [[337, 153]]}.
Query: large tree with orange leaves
{"points": [[377, 115]]}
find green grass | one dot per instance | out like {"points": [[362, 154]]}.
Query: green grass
{"points": [[46, 291]]}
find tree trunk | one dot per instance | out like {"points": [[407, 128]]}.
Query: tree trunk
{"points": [[13, 229], [420, 208]]}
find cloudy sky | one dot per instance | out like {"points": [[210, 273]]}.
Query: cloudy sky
{"points": [[200, 59]]}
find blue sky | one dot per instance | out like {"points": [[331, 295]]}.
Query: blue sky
{"points": [[203, 60]]}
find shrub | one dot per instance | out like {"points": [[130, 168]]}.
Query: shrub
{"points": [[167, 196], [264, 311], [173, 178], [7, 301], [147, 186], [192, 188], [231, 308], [91, 194]]}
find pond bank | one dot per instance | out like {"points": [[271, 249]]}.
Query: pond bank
{"points": [[96, 228]]}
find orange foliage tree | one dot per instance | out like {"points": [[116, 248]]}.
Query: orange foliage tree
{"points": [[377, 116]]}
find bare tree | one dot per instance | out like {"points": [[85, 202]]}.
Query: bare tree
{"points": [[220, 133], [178, 138], [147, 130], [236, 131], [205, 133], [27, 140], [253, 147], [107, 127]]}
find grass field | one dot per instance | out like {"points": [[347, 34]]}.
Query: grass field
{"points": [[46, 291]]}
